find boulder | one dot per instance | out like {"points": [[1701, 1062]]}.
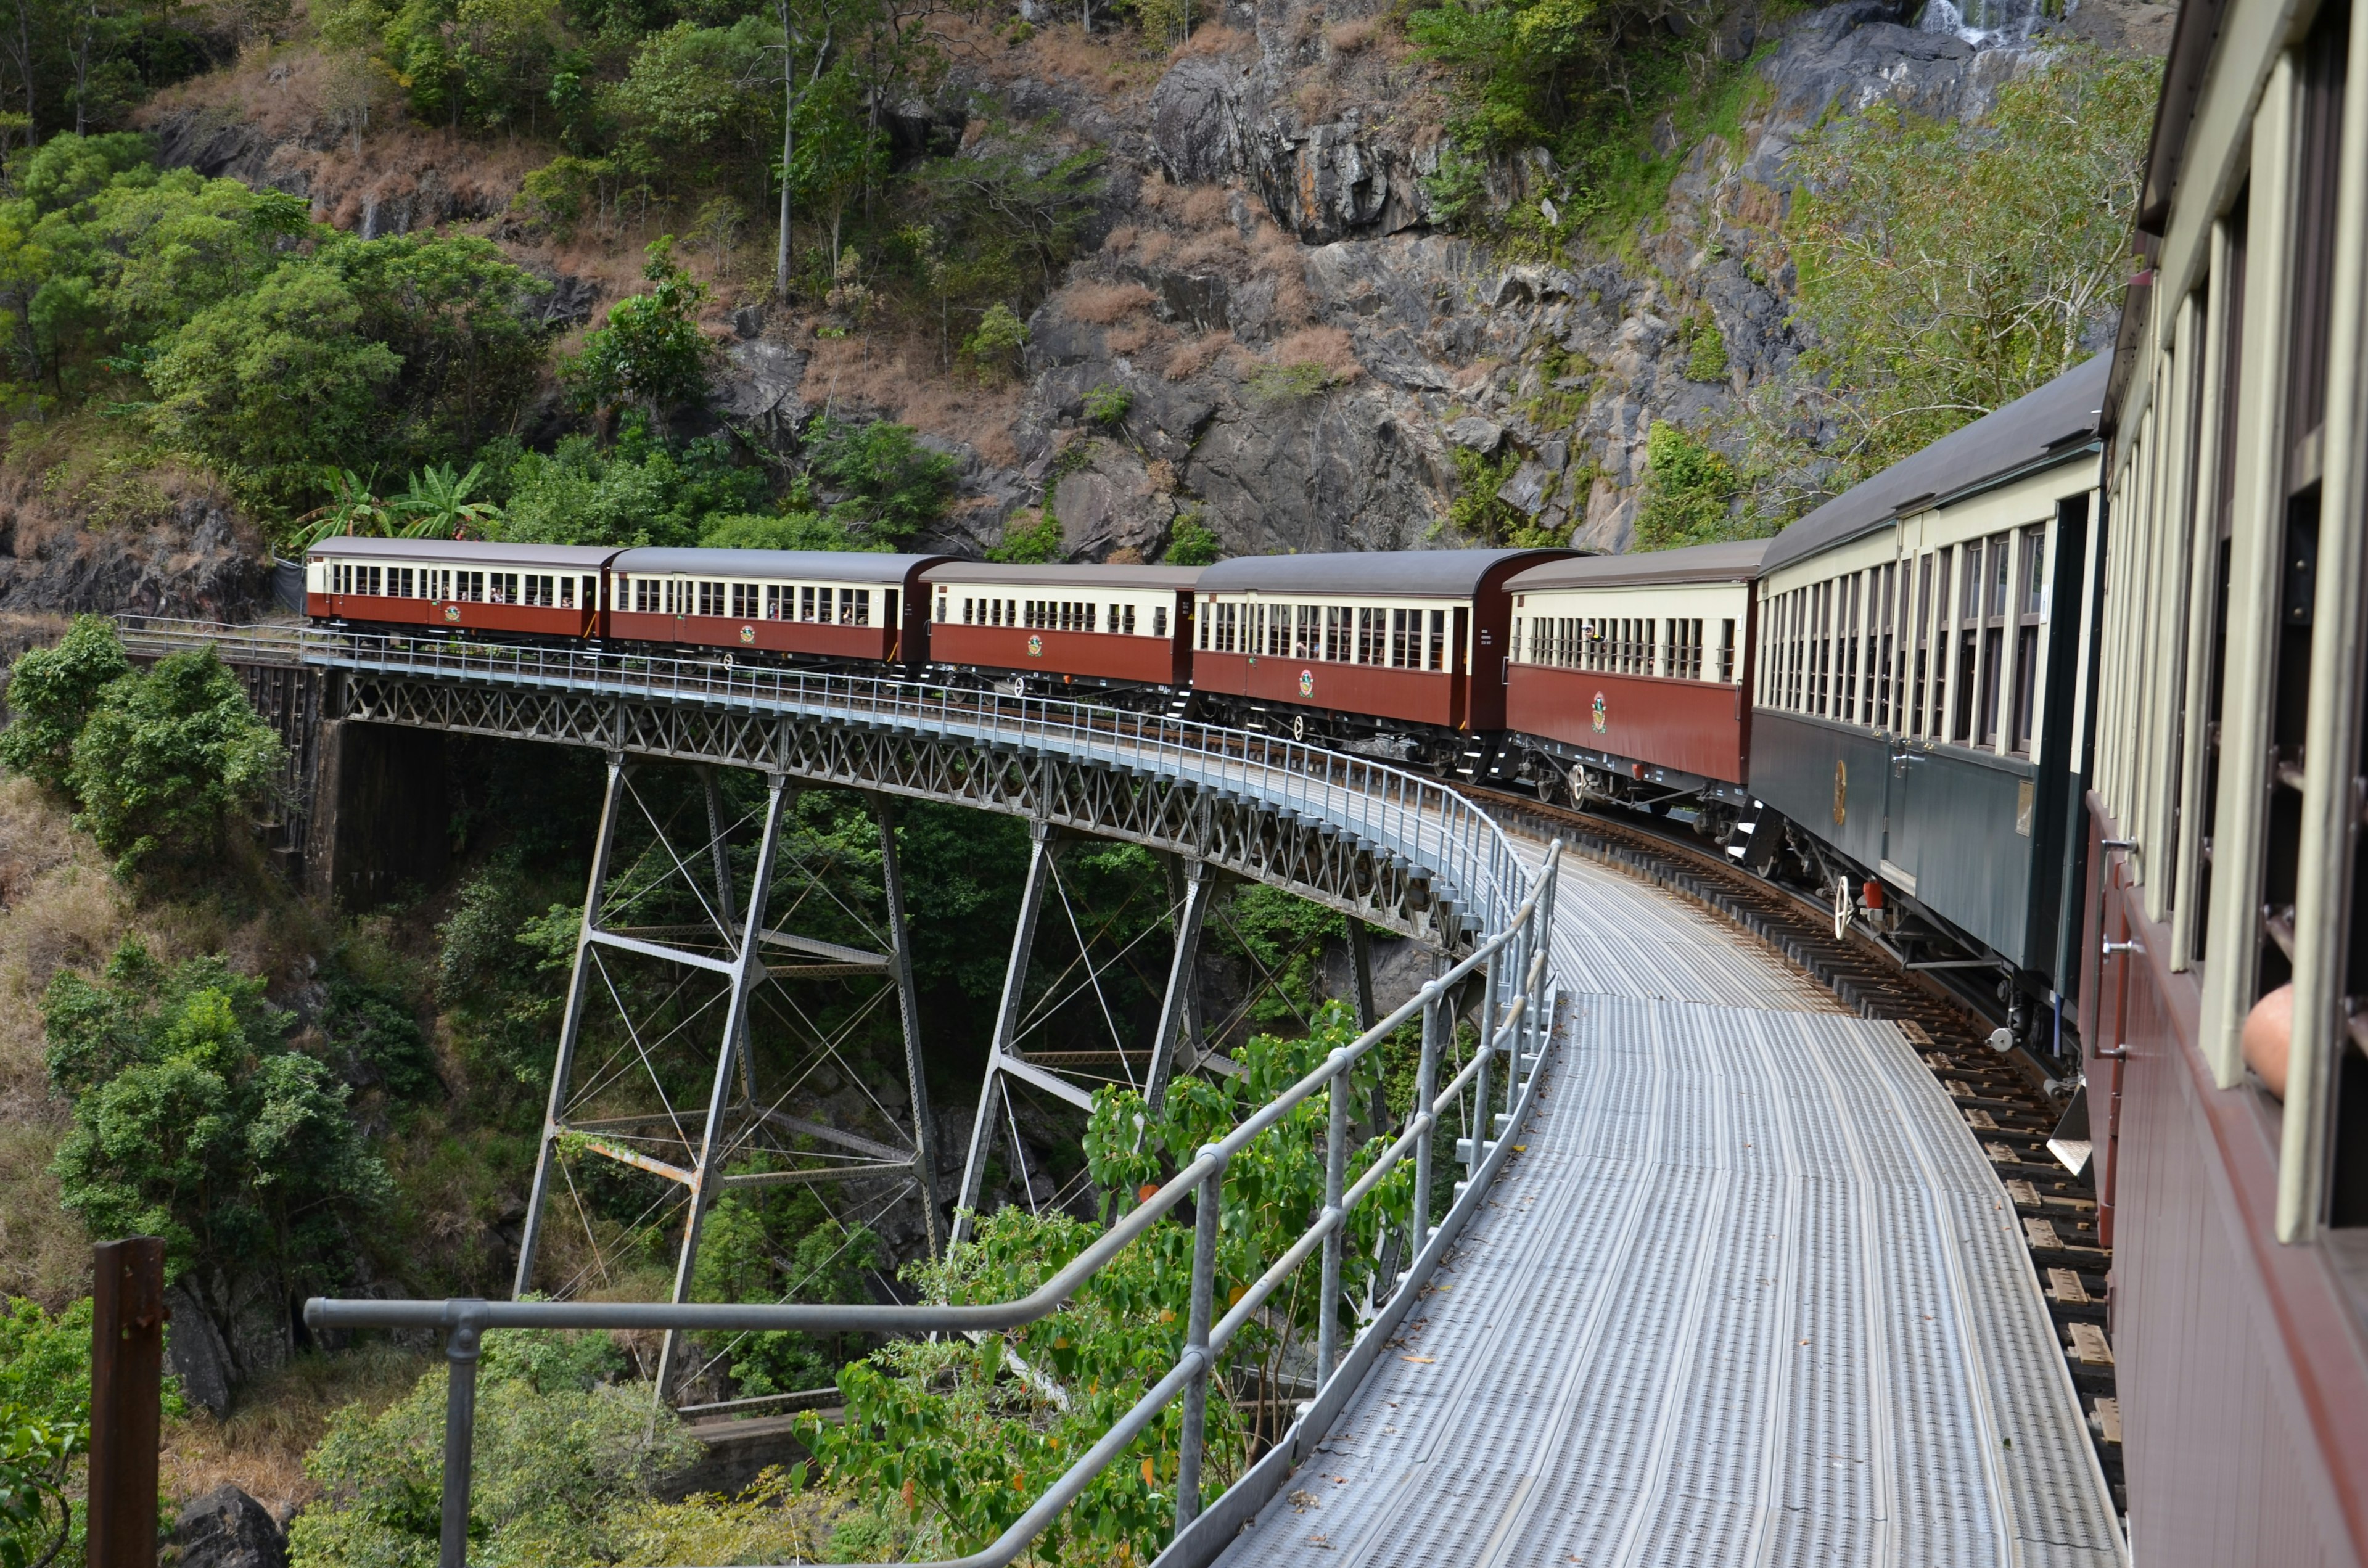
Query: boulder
{"points": [[227, 1528]]}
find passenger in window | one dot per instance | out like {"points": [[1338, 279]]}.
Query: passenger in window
{"points": [[2269, 1036]]}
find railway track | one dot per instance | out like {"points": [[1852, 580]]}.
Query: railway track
{"points": [[2000, 1097]]}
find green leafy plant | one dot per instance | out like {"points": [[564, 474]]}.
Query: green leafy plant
{"points": [[437, 506], [1705, 348], [1688, 492], [993, 347], [1191, 542], [566, 1463], [194, 1120], [51, 693], [967, 1440], [1107, 405], [166, 757], [1287, 383], [1030, 543], [651, 355], [890, 485]]}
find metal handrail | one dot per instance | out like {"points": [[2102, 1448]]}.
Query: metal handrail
{"points": [[1427, 825], [1518, 1028]]}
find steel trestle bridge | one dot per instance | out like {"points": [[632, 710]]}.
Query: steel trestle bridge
{"points": [[1572, 1365]]}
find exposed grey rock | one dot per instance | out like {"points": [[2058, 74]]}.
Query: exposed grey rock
{"points": [[1110, 504], [1479, 435], [227, 1528], [759, 390], [179, 554], [200, 1357]]}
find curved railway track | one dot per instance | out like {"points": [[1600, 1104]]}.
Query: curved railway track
{"points": [[1999, 1096]]}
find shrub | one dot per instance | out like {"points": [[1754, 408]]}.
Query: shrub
{"points": [[651, 355], [166, 756], [1689, 489], [566, 1464], [50, 695], [894, 485], [1107, 405], [1705, 350], [1191, 542], [1030, 543], [995, 346], [788, 530]]}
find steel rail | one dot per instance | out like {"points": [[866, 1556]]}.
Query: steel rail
{"points": [[466, 1320]]}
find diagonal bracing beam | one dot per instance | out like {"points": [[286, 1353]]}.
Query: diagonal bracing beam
{"points": [[1190, 883], [1041, 839], [908, 1003]]}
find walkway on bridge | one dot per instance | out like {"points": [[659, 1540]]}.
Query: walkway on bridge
{"points": [[1748, 1294]]}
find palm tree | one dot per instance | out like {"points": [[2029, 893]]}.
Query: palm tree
{"points": [[352, 510], [439, 503]]}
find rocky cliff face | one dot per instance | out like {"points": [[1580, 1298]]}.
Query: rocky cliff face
{"points": [[158, 543]]}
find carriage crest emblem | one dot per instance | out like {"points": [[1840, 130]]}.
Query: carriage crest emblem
{"points": [[747, 634], [1307, 683], [1035, 646], [451, 612], [1597, 715]]}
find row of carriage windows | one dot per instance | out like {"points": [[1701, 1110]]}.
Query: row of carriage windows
{"points": [[752, 601], [1944, 647], [1055, 615], [1642, 645], [450, 585], [1340, 634]]}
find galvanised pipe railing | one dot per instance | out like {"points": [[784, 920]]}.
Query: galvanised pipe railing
{"points": [[1520, 1032], [1420, 821]]}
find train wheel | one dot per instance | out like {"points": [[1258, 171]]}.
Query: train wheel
{"points": [[1299, 726], [1844, 907]]}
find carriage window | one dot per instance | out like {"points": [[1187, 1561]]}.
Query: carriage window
{"points": [[1126, 617], [744, 601], [1159, 620], [2031, 598], [1726, 651], [567, 593]]}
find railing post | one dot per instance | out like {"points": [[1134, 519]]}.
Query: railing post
{"points": [[462, 1342], [1426, 1089], [126, 1357], [1476, 1131], [1209, 1213], [1335, 1160]]}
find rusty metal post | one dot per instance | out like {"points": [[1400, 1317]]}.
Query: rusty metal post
{"points": [[126, 1365]]}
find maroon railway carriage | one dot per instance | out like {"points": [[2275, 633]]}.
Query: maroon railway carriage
{"points": [[458, 585], [1349, 645], [789, 606], [1631, 672], [1100, 627]]}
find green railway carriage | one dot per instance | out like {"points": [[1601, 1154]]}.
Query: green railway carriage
{"points": [[1917, 708]]}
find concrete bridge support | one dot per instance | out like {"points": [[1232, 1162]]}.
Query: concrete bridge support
{"points": [[378, 820]]}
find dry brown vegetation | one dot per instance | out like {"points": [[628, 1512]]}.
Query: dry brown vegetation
{"points": [[260, 1445], [905, 380], [1195, 355], [1216, 39], [1103, 303], [1329, 347]]}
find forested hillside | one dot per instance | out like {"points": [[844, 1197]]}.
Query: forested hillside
{"points": [[1123, 282]]}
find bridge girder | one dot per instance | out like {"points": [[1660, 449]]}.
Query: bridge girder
{"points": [[1240, 834]]}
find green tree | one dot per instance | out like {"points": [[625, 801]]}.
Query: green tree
{"points": [[1947, 268], [50, 695], [941, 1426], [1030, 543], [267, 380], [785, 531], [437, 504], [194, 1120], [462, 319], [889, 485], [165, 758], [994, 349], [651, 355]]}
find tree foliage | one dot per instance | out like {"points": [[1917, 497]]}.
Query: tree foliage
{"points": [[968, 1447], [651, 356], [51, 692], [888, 485], [45, 1425], [566, 1462], [1947, 268], [1690, 492], [196, 1122], [166, 757]]}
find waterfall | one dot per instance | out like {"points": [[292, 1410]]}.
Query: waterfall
{"points": [[1986, 22]]}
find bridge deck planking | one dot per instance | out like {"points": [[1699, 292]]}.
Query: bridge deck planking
{"points": [[1611, 1371]]}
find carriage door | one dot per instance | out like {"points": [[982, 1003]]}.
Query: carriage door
{"points": [[1922, 662]]}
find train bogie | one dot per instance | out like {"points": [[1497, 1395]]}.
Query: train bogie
{"points": [[1098, 627]]}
